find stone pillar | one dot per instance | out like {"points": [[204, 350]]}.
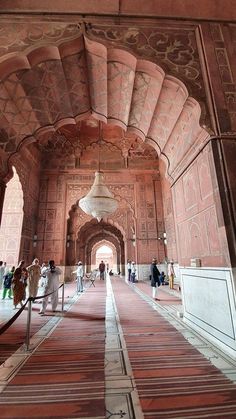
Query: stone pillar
{"points": [[2, 196]]}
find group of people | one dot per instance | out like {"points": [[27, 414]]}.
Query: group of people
{"points": [[16, 280], [131, 268], [157, 278]]}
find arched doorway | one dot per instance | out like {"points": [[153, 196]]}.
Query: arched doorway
{"points": [[91, 236], [106, 252], [11, 224]]}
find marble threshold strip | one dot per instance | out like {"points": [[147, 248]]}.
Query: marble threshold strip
{"points": [[121, 394]]}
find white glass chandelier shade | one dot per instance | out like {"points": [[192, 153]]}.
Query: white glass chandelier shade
{"points": [[99, 201]]}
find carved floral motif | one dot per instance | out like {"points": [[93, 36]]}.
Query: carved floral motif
{"points": [[19, 36], [173, 48]]}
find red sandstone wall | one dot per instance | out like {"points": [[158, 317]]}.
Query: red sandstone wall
{"points": [[52, 219], [200, 231], [168, 215], [27, 164], [149, 215]]}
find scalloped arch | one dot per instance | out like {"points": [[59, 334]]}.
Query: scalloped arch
{"points": [[52, 86]]}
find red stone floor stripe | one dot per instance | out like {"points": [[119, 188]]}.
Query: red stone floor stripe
{"points": [[64, 377], [173, 379]]}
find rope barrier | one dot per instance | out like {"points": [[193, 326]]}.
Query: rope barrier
{"points": [[29, 299], [11, 321]]}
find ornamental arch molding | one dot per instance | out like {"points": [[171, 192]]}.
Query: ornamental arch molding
{"points": [[57, 85]]}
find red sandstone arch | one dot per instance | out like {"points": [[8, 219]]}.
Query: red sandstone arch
{"points": [[92, 233], [53, 86], [12, 219]]}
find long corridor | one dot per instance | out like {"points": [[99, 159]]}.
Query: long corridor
{"points": [[117, 354]]}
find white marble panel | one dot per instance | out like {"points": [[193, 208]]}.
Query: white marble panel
{"points": [[209, 303]]}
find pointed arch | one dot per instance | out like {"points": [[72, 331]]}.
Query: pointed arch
{"points": [[12, 219]]}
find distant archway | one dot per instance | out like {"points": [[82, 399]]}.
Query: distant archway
{"points": [[105, 251], [90, 237], [12, 219]]}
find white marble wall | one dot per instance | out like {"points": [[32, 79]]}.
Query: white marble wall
{"points": [[209, 304], [143, 271]]}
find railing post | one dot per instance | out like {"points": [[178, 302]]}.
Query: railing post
{"points": [[27, 339], [63, 297]]}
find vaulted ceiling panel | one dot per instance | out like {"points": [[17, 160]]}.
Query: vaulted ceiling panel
{"points": [[120, 87], [120, 79], [169, 106], [147, 87], [187, 134], [96, 58], [77, 82]]}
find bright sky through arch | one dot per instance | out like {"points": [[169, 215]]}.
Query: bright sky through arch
{"points": [[104, 249]]}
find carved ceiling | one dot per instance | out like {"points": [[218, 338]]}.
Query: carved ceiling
{"points": [[79, 146], [46, 93]]}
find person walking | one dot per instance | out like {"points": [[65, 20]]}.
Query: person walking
{"points": [[7, 281], [19, 284], [171, 275], [52, 274], [155, 281], [133, 272], [34, 271], [102, 268], [129, 268], [79, 277]]}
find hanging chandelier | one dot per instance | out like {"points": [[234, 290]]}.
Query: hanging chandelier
{"points": [[99, 201]]}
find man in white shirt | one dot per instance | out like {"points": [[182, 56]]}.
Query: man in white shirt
{"points": [[79, 277], [129, 268], [133, 272], [52, 274]]}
